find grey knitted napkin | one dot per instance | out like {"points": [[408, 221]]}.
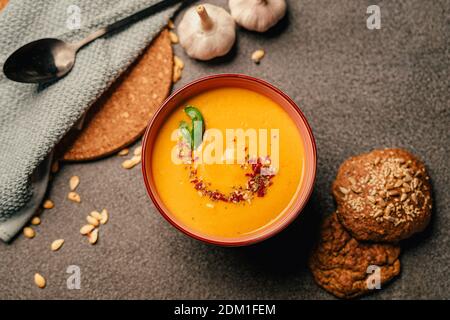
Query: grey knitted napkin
{"points": [[34, 118]]}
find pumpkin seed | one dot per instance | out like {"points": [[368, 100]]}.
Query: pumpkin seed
{"points": [[173, 37], [48, 204], [344, 190], [258, 55], [86, 229], [178, 62], [131, 163], [138, 151], [96, 215], [176, 74], [93, 236], [36, 221], [57, 244], [104, 216], [29, 232], [39, 280], [74, 197], [74, 182], [91, 220]]}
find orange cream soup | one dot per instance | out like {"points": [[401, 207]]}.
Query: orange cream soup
{"points": [[228, 108]]}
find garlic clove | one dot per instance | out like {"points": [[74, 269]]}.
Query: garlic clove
{"points": [[206, 32], [257, 15]]}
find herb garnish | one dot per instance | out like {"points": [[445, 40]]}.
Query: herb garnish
{"points": [[193, 134]]}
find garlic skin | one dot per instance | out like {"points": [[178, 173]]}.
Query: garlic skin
{"points": [[207, 32], [257, 15]]}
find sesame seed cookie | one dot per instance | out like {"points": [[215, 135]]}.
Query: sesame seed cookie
{"points": [[341, 264], [384, 195]]}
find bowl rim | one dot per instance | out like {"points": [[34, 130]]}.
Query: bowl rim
{"points": [[289, 216]]}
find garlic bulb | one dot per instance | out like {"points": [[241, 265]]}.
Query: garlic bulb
{"points": [[257, 15], [206, 32]]}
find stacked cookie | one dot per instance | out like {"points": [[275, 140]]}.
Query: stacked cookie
{"points": [[383, 197]]}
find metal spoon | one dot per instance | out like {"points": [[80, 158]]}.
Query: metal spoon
{"points": [[46, 60]]}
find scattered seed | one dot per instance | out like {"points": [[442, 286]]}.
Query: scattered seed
{"points": [[381, 203], [104, 216], [39, 281], [406, 187], [393, 193], [96, 215], [170, 24], [74, 182], [74, 197], [131, 163], [415, 183], [356, 190], [124, 152], [178, 62], [87, 229], [352, 180], [376, 161], [36, 221], [399, 175], [93, 236], [48, 204], [92, 221], [389, 186], [29, 232], [414, 197], [371, 199], [173, 37], [258, 55], [403, 197], [176, 74], [378, 213], [57, 244], [407, 178], [138, 151], [387, 210], [344, 190], [398, 184]]}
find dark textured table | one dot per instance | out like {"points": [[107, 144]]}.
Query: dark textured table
{"points": [[359, 89]]}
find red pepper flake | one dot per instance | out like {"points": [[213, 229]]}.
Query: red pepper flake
{"points": [[257, 184]]}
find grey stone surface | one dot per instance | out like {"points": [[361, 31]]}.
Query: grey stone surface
{"points": [[360, 90]]}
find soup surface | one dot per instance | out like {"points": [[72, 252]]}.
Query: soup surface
{"points": [[220, 199]]}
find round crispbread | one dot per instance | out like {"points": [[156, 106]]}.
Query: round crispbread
{"points": [[121, 115]]}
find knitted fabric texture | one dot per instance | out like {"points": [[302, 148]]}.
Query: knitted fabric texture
{"points": [[33, 118]]}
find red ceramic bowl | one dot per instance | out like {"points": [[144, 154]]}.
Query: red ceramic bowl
{"points": [[256, 85]]}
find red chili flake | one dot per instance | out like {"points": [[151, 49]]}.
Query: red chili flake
{"points": [[257, 184]]}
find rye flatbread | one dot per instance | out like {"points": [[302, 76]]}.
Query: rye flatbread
{"points": [[121, 115]]}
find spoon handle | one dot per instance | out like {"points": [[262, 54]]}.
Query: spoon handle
{"points": [[126, 21]]}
